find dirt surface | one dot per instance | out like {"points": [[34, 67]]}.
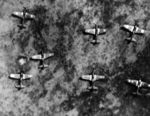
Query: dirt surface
{"points": [[58, 28]]}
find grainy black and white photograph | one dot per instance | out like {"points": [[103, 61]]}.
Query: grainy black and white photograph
{"points": [[74, 58]]}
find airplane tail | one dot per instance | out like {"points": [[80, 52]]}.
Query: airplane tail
{"points": [[20, 86], [92, 88], [131, 39], [43, 66], [94, 42], [21, 26], [137, 93]]}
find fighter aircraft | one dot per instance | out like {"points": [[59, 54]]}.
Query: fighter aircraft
{"points": [[139, 84], [133, 29], [96, 31], [24, 16], [20, 77], [42, 56], [92, 78]]}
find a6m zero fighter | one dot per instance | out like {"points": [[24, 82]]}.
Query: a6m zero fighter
{"points": [[92, 78], [95, 31], [133, 29], [42, 57], [139, 84], [24, 16], [20, 77]]}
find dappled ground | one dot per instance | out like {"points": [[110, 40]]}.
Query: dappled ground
{"points": [[58, 28]]}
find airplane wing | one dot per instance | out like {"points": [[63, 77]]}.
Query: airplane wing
{"points": [[27, 76], [14, 76], [101, 31], [98, 77], [144, 84], [86, 77], [48, 55], [29, 16], [90, 31], [139, 31], [133, 82], [18, 14], [128, 27], [36, 57]]}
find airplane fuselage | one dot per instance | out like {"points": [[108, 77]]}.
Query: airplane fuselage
{"points": [[42, 55], [21, 78], [96, 30]]}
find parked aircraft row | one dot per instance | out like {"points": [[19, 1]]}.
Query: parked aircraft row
{"points": [[93, 77], [41, 57], [132, 29]]}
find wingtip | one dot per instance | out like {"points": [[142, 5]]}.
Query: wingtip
{"points": [[11, 75], [104, 77], [33, 57], [143, 31], [80, 78], [15, 13], [104, 30], [30, 76], [128, 80], [51, 54]]}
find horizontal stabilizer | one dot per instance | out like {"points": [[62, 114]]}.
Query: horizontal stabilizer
{"points": [[131, 39], [92, 87], [21, 26], [95, 42], [20, 86], [137, 93], [43, 66]]}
